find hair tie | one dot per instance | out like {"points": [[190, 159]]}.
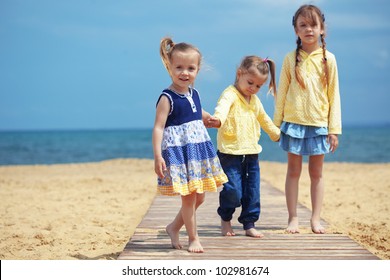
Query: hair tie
{"points": [[265, 60], [169, 47]]}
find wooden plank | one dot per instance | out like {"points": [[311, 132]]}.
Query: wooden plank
{"points": [[150, 240]]}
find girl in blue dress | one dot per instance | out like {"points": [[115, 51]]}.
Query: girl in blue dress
{"points": [[184, 157]]}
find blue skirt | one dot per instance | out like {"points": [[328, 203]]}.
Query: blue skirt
{"points": [[304, 140]]}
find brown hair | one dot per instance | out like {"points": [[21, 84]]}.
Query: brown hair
{"points": [[309, 12], [168, 47], [264, 66]]}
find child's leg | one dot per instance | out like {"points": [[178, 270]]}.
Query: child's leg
{"points": [[317, 192], [230, 195], [189, 218], [250, 195], [173, 228], [294, 169]]}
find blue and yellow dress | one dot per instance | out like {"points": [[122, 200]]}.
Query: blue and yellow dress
{"points": [[191, 160]]}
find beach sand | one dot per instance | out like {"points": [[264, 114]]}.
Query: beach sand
{"points": [[73, 211], [90, 210], [356, 202]]}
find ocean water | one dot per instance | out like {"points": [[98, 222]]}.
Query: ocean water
{"points": [[357, 144]]}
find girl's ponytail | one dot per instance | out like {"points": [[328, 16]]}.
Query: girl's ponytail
{"points": [[264, 66], [272, 70], [166, 46]]}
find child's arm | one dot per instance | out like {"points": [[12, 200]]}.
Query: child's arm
{"points": [[205, 118], [210, 121], [267, 125], [162, 112], [225, 102], [334, 121], [284, 83]]}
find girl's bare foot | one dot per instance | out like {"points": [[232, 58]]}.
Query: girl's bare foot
{"points": [[252, 232], [226, 228], [174, 235], [293, 225], [317, 228], [195, 246]]}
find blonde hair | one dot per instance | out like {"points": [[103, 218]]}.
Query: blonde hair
{"points": [[310, 12], [264, 66], [168, 47]]}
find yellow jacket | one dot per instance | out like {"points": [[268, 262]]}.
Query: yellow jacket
{"points": [[241, 122], [315, 105]]}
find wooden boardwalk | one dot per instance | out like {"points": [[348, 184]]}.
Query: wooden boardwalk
{"points": [[150, 242]]}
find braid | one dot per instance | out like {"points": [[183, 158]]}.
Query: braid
{"points": [[297, 60], [325, 79], [308, 12]]}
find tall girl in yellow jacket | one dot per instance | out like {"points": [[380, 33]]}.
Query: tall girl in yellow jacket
{"points": [[308, 110]]}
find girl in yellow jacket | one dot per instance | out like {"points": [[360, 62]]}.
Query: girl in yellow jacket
{"points": [[240, 117], [308, 110]]}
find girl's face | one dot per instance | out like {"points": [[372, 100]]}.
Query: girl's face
{"points": [[184, 66], [249, 82], [309, 30]]}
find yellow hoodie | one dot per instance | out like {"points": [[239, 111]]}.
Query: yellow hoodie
{"points": [[241, 123], [315, 105]]}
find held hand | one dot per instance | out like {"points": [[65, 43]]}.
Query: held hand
{"points": [[205, 118], [160, 167], [333, 140], [213, 122]]}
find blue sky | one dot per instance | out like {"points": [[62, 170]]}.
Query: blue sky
{"points": [[78, 64]]}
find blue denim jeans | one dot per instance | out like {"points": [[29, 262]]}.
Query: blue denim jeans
{"points": [[243, 188]]}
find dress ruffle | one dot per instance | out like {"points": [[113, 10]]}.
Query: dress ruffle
{"points": [[304, 140], [195, 176]]}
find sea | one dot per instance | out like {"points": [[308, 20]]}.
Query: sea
{"points": [[357, 144]]}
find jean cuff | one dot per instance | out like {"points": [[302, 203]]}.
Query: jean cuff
{"points": [[249, 226]]}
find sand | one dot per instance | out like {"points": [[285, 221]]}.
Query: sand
{"points": [[73, 211], [356, 202], [90, 210]]}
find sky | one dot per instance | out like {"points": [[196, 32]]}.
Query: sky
{"points": [[94, 64]]}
